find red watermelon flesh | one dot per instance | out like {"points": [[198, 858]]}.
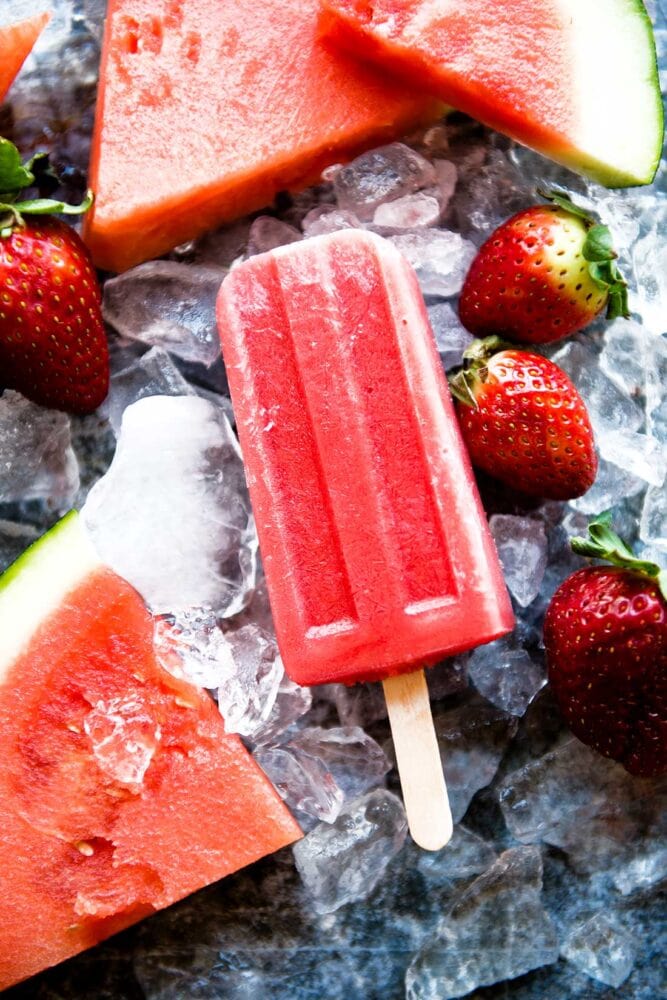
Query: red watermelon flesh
{"points": [[207, 109], [574, 79], [16, 42], [120, 791]]}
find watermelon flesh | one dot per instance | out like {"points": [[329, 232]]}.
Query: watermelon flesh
{"points": [[574, 79], [120, 791], [207, 109], [16, 42]]}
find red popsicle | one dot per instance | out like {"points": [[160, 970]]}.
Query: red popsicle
{"points": [[376, 549]]}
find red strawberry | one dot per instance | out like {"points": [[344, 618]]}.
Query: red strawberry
{"points": [[605, 634], [545, 273], [53, 348], [523, 421]]}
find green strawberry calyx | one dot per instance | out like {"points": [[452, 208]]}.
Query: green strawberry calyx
{"points": [[465, 382], [14, 177], [602, 542], [598, 250]]}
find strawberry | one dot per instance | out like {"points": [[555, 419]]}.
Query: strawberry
{"points": [[605, 634], [53, 348], [545, 273], [523, 421]]}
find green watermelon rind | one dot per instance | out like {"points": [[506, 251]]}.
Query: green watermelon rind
{"points": [[36, 549], [37, 583]]}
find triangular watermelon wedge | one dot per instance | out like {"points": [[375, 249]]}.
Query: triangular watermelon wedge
{"points": [[574, 79], [207, 109], [120, 791], [16, 42]]}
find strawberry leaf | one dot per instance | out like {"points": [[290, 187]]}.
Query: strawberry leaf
{"points": [[598, 245], [602, 542], [13, 175], [565, 202], [48, 206]]}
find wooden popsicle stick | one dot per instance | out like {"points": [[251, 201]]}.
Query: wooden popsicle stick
{"points": [[418, 758]]}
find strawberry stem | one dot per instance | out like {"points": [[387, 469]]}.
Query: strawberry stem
{"points": [[14, 177], [602, 542], [463, 383]]}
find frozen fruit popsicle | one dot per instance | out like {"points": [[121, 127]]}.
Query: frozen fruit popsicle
{"points": [[376, 550]]}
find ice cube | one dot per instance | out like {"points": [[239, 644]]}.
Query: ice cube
{"points": [[653, 523], [381, 175], [354, 759], [267, 233], [600, 949], [302, 780], [152, 374], [412, 211], [451, 337], [124, 736], [191, 645], [506, 675], [472, 739], [172, 514], [447, 174], [609, 408], [94, 12], [344, 862], [440, 258], [590, 807], [612, 485], [497, 929], [37, 461], [248, 691], [290, 704], [328, 219], [359, 705], [639, 455], [166, 304], [649, 259], [522, 549], [465, 855]]}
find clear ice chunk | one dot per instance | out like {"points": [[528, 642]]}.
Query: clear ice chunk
{"points": [[124, 738], [191, 645], [172, 514], [381, 175], [653, 523], [467, 854], [600, 949], [302, 780], [472, 738], [152, 374], [612, 485], [506, 675], [412, 211], [639, 455], [167, 304], [355, 760], [440, 258], [267, 233], [522, 549], [649, 259], [609, 408], [359, 705], [451, 337], [249, 689], [447, 175], [497, 929], [345, 861], [591, 808], [37, 461], [328, 219]]}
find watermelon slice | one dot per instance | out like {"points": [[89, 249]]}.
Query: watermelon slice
{"points": [[120, 791], [574, 79], [16, 42], [206, 109]]}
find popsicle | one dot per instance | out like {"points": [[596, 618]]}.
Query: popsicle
{"points": [[376, 550]]}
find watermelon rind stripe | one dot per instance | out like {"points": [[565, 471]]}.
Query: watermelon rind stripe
{"points": [[37, 583]]}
